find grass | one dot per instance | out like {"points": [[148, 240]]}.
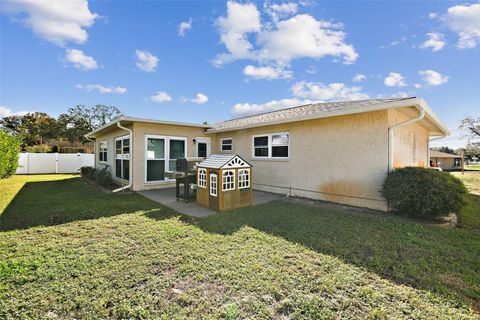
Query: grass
{"points": [[469, 216], [473, 166], [123, 256]]}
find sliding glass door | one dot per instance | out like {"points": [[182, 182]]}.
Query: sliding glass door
{"points": [[122, 158], [162, 153]]}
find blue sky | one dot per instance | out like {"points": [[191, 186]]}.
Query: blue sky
{"points": [[209, 61]]}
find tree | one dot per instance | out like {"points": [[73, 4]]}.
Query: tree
{"points": [[9, 151], [34, 128], [444, 149], [80, 120], [472, 125]]}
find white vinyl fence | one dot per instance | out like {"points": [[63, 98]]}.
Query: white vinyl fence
{"points": [[32, 163]]}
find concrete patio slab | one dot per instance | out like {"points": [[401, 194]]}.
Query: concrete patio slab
{"points": [[167, 198]]}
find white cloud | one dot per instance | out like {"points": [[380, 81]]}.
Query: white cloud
{"points": [[435, 40], [161, 96], [311, 70], [200, 98], [184, 26], [394, 80], [7, 112], [242, 109], [79, 60], [359, 77], [433, 15], [418, 85], [465, 21], [56, 21], [282, 10], [269, 73], [322, 92], [433, 78], [146, 61], [279, 41], [101, 89]]}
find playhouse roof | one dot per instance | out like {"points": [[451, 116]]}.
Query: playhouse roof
{"points": [[219, 161]]}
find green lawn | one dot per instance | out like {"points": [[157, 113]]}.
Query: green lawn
{"points": [[123, 256]]}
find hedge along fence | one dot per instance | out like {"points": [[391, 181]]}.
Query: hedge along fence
{"points": [[10, 147], [425, 193]]}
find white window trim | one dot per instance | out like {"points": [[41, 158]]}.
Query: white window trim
{"points": [[213, 191], [166, 157], [221, 145], [269, 135], [232, 183], [243, 175], [100, 150], [208, 141], [202, 172], [123, 156]]}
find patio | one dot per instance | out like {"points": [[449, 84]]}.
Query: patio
{"points": [[167, 197]]}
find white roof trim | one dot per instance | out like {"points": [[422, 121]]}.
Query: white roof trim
{"points": [[143, 120]]}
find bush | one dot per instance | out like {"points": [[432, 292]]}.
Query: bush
{"points": [[104, 178], [424, 192], [38, 148], [88, 172], [10, 147]]}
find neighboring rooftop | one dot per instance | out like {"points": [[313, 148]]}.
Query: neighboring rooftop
{"points": [[438, 154], [312, 110]]}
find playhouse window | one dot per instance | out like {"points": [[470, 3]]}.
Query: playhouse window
{"points": [[228, 180], [244, 178], [213, 185], [202, 178], [102, 152], [227, 144]]}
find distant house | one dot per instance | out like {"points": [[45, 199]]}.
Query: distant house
{"points": [[298, 151], [446, 161]]}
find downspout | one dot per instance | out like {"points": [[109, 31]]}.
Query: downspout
{"points": [[399, 125], [130, 158], [94, 151]]}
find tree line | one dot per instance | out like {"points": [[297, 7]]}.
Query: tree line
{"points": [[42, 132]]}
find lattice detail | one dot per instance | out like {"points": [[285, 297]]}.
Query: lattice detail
{"points": [[236, 162]]}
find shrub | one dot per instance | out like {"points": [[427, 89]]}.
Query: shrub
{"points": [[104, 178], [88, 172], [38, 148], [10, 147], [424, 192]]}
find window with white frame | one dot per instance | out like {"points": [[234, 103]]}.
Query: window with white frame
{"points": [[227, 144], [202, 178], [122, 157], [243, 178], [161, 155], [213, 185], [272, 145], [102, 151], [228, 180]]}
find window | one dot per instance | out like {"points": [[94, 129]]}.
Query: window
{"points": [[202, 178], [228, 180], [202, 149], [243, 178], [102, 152], [227, 144], [273, 145], [213, 185], [161, 155], [122, 157]]}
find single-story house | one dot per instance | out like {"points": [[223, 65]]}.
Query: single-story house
{"points": [[298, 151], [446, 161]]}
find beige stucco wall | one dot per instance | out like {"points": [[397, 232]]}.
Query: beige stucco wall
{"points": [[410, 143], [340, 159], [138, 148], [444, 163]]}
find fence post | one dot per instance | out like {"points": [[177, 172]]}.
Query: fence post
{"points": [[56, 162]]}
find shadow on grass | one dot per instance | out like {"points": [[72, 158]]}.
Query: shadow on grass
{"points": [[427, 257], [46, 203]]}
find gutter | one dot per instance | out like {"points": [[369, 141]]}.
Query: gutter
{"points": [[130, 158], [94, 150], [399, 125]]}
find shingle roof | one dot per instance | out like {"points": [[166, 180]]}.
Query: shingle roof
{"points": [[309, 110], [438, 154], [217, 161]]}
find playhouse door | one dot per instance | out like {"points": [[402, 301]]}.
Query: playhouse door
{"points": [[213, 191]]}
